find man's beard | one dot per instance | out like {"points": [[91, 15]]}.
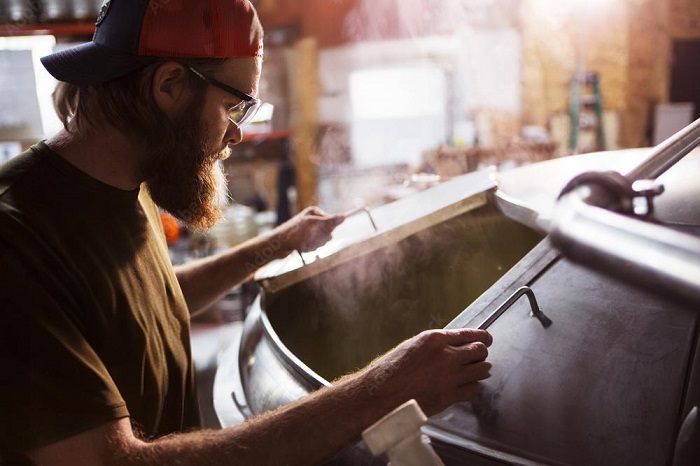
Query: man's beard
{"points": [[184, 174]]}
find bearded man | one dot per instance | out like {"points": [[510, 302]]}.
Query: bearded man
{"points": [[94, 320]]}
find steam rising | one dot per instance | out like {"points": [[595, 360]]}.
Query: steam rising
{"points": [[340, 320], [391, 19]]}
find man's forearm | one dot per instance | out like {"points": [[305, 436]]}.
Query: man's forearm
{"points": [[303, 433], [206, 280], [436, 368]]}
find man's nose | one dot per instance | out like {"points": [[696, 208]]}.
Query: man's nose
{"points": [[234, 134]]}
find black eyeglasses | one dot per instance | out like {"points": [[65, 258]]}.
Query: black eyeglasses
{"points": [[242, 112]]}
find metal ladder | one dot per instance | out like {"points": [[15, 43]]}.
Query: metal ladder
{"points": [[586, 111]]}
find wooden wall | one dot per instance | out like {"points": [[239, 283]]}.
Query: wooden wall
{"points": [[684, 19], [627, 41]]}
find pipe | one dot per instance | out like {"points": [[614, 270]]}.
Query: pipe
{"points": [[586, 228], [666, 154]]}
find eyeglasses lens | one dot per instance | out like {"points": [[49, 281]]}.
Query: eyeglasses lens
{"points": [[243, 112]]}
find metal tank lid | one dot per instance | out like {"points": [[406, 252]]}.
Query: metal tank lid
{"points": [[528, 194], [394, 221]]}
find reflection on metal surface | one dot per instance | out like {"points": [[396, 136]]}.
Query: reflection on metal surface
{"points": [[648, 190], [535, 310], [688, 432], [241, 406]]}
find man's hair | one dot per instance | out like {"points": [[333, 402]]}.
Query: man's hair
{"points": [[125, 103]]}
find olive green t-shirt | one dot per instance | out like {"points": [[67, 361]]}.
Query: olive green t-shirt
{"points": [[93, 324]]}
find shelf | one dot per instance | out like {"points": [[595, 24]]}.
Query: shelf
{"points": [[73, 29]]}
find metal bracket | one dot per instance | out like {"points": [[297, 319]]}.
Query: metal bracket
{"points": [[621, 191], [647, 189]]}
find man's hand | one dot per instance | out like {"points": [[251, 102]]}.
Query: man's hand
{"points": [[306, 231], [437, 368], [205, 281]]}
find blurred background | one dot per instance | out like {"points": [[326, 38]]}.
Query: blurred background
{"points": [[375, 99]]}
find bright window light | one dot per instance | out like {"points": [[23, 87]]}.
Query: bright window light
{"points": [[29, 102], [397, 113], [404, 92]]}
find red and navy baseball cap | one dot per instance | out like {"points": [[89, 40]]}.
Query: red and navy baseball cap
{"points": [[130, 34]]}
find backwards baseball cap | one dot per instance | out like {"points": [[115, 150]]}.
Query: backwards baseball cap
{"points": [[130, 34]]}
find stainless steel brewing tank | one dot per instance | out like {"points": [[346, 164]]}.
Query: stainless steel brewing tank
{"points": [[338, 321], [432, 254], [614, 380]]}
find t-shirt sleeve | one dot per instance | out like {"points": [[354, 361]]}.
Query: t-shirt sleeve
{"points": [[53, 384]]}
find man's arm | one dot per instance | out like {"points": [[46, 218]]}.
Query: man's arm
{"points": [[205, 281], [437, 368]]}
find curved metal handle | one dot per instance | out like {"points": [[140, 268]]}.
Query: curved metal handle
{"points": [[364, 209], [535, 310]]}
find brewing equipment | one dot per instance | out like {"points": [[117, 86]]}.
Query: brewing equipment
{"points": [[607, 374]]}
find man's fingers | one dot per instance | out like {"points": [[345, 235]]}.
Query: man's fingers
{"points": [[314, 228], [469, 391], [313, 244], [474, 372], [337, 219], [314, 210], [464, 336], [473, 352], [329, 223], [320, 214], [323, 220]]}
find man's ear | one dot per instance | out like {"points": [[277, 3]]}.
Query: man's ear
{"points": [[170, 87]]}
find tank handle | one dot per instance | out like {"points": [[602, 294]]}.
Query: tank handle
{"points": [[535, 309]]}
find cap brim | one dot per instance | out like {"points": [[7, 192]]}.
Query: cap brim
{"points": [[92, 63]]}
